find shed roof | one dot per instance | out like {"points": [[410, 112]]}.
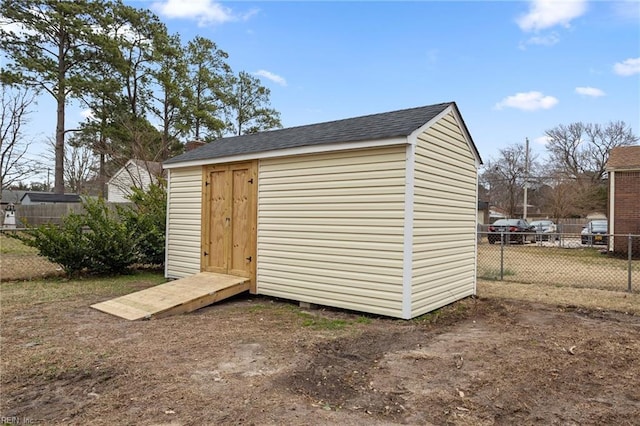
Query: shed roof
{"points": [[624, 157], [369, 127], [48, 197]]}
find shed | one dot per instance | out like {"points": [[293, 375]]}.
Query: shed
{"points": [[48, 198], [623, 167], [134, 174], [375, 214]]}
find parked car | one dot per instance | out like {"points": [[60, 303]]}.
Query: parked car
{"points": [[514, 230], [545, 230], [595, 233]]}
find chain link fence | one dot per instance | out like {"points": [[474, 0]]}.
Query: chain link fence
{"points": [[607, 262], [562, 259], [21, 262]]}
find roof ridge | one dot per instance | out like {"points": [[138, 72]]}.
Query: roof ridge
{"points": [[323, 123], [376, 126]]}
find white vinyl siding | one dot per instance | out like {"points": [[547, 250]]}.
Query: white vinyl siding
{"points": [[445, 208], [130, 176], [330, 229], [184, 222]]}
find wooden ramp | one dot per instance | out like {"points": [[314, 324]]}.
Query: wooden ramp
{"points": [[175, 297]]}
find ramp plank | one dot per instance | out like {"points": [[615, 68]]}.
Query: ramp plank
{"points": [[175, 297]]}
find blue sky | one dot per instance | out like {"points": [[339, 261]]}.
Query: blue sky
{"points": [[515, 69]]}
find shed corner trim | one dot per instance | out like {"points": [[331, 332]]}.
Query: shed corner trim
{"points": [[407, 255], [413, 137]]}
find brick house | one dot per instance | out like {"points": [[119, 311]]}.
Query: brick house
{"points": [[624, 197]]}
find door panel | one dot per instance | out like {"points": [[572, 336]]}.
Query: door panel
{"points": [[229, 234], [218, 220], [241, 258]]}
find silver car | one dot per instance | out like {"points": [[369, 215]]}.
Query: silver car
{"points": [[546, 230]]}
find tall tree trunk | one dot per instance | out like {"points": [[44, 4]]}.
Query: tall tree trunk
{"points": [[101, 177], [58, 187]]}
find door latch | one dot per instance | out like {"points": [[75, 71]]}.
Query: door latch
{"points": [[249, 258], [206, 254]]}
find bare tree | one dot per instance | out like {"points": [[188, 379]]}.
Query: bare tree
{"points": [[14, 111], [579, 152], [81, 165], [561, 200], [505, 177]]}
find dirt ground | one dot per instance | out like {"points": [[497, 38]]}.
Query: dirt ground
{"points": [[255, 360]]}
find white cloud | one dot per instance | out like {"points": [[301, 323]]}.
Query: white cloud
{"points": [[543, 40], [542, 140], [626, 10], [271, 76], [527, 101], [549, 13], [589, 91], [15, 27], [88, 114], [204, 11], [627, 67]]}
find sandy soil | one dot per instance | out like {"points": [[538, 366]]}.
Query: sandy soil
{"points": [[254, 360]]}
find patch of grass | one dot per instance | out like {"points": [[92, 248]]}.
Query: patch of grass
{"points": [[257, 308], [493, 274], [363, 320], [10, 245], [15, 294], [428, 318], [453, 311], [321, 323]]}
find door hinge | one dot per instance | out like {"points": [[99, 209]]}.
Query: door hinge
{"points": [[249, 258], [251, 180]]}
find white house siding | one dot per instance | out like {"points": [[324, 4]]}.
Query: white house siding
{"points": [[445, 209], [330, 229], [184, 222], [119, 187]]}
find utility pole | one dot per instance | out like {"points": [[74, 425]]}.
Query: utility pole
{"points": [[526, 177]]}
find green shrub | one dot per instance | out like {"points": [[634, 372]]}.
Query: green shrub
{"points": [[95, 241], [103, 240], [147, 221], [111, 243], [66, 245]]}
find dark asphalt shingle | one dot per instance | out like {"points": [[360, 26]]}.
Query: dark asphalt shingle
{"points": [[40, 197], [369, 127]]}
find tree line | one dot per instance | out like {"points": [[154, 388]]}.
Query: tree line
{"points": [[570, 182], [148, 91]]}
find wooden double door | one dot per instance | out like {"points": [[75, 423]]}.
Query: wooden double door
{"points": [[229, 201]]}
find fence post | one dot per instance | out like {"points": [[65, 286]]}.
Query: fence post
{"points": [[629, 255], [501, 256]]}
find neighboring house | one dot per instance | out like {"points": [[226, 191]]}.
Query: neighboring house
{"points": [[374, 214], [48, 198], [134, 174], [623, 167], [11, 196], [496, 213], [483, 212]]}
